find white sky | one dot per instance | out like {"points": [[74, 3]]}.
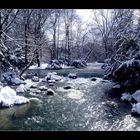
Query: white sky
{"points": [[85, 14]]}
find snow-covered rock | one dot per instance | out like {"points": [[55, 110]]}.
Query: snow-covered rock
{"points": [[54, 73], [17, 81], [93, 79], [55, 77], [8, 97], [52, 76], [43, 88], [33, 86], [35, 79], [21, 88], [136, 96], [50, 92], [20, 100], [68, 87], [51, 84], [135, 108], [37, 91], [126, 97], [51, 81], [72, 75]]}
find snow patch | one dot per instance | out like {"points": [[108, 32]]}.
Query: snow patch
{"points": [[43, 66]]}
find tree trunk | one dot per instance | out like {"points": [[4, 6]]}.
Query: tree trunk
{"points": [[54, 45], [26, 48], [69, 49], [29, 64], [37, 58], [57, 53], [0, 42]]}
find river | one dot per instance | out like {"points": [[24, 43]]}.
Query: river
{"points": [[85, 107]]}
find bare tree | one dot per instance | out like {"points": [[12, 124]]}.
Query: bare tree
{"points": [[69, 18], [105, 23]]}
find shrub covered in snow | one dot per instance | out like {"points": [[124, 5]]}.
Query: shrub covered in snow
{"points": [[125, 68], [127, 74], [54, 64]]}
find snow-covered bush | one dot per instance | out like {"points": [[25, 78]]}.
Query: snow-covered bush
{"points": [[54, 64], [125, 66]]}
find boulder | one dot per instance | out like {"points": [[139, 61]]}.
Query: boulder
{"points": [[50, 92], [52, 76], [21, 89], [43, 88], [9, 98], [51, 84], [72, 75], [93, 79], [67, 87], [33, 86], [37, 91], [35, 79], [51, 81]]}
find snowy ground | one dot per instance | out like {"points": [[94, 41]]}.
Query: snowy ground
{"points": [[94, 65], [43, 66]]}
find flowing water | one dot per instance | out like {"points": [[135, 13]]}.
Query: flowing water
{"points": [[86, 106]]}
